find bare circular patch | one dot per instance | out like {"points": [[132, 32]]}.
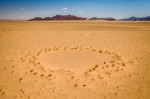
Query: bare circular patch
{"points": [[72, 59]]}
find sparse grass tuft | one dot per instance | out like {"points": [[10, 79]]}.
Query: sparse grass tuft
{"points": [[113, 65], [20, 79], [75, 85], [90, 70], [49, 75], [112, 61], [130, 61], [35, 73], [123, 64], [96, 66], [42, 75], [31, 70], [100, 51]]}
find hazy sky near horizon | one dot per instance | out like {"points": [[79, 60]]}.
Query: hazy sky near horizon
{"points": [[26, 9]]}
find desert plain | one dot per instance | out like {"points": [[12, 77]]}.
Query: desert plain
{"points": [[74, 60]]}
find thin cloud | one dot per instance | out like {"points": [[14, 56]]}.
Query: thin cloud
{"points": [[64, 8], [80, 11], [65, 11], [22, 8]]}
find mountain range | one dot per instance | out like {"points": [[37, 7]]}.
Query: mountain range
{"points": [[58, 17], [69, 17], [72, 17], [137, 19]]}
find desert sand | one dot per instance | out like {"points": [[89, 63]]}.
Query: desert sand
{"points": [[74, 60]]}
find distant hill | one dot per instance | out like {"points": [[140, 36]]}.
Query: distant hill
{"points": [[137, 19], [58, 17], [68, 17], [108, 19], [72, 17]]}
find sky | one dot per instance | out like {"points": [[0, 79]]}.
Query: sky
{"points": [[27, 9]]}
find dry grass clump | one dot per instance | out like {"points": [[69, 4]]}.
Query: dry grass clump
{"points": [[38, 54], [42, 75], [117, 70], [130, 61], [35, 73], [112, 61], [90, 70], [118, 57], [99, 76], [113, 65], [96, 66], [76, 85], [20, 79], [86, 73], [100, 51], [49, 75], [22, 60], [93, 50], [31, 70], [123, 64], [108, 73]]}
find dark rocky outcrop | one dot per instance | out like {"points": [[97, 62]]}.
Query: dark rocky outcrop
{"points": [[137, 19], [108, 19], [58, 17], [36, 19], [72, 17]]}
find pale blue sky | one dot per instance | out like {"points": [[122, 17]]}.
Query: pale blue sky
{"points": [[26, 9]]}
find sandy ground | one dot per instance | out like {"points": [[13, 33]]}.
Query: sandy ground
{"points": [[74, 60]]}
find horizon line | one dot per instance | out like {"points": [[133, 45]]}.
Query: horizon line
{"points": [[72, 15]]}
